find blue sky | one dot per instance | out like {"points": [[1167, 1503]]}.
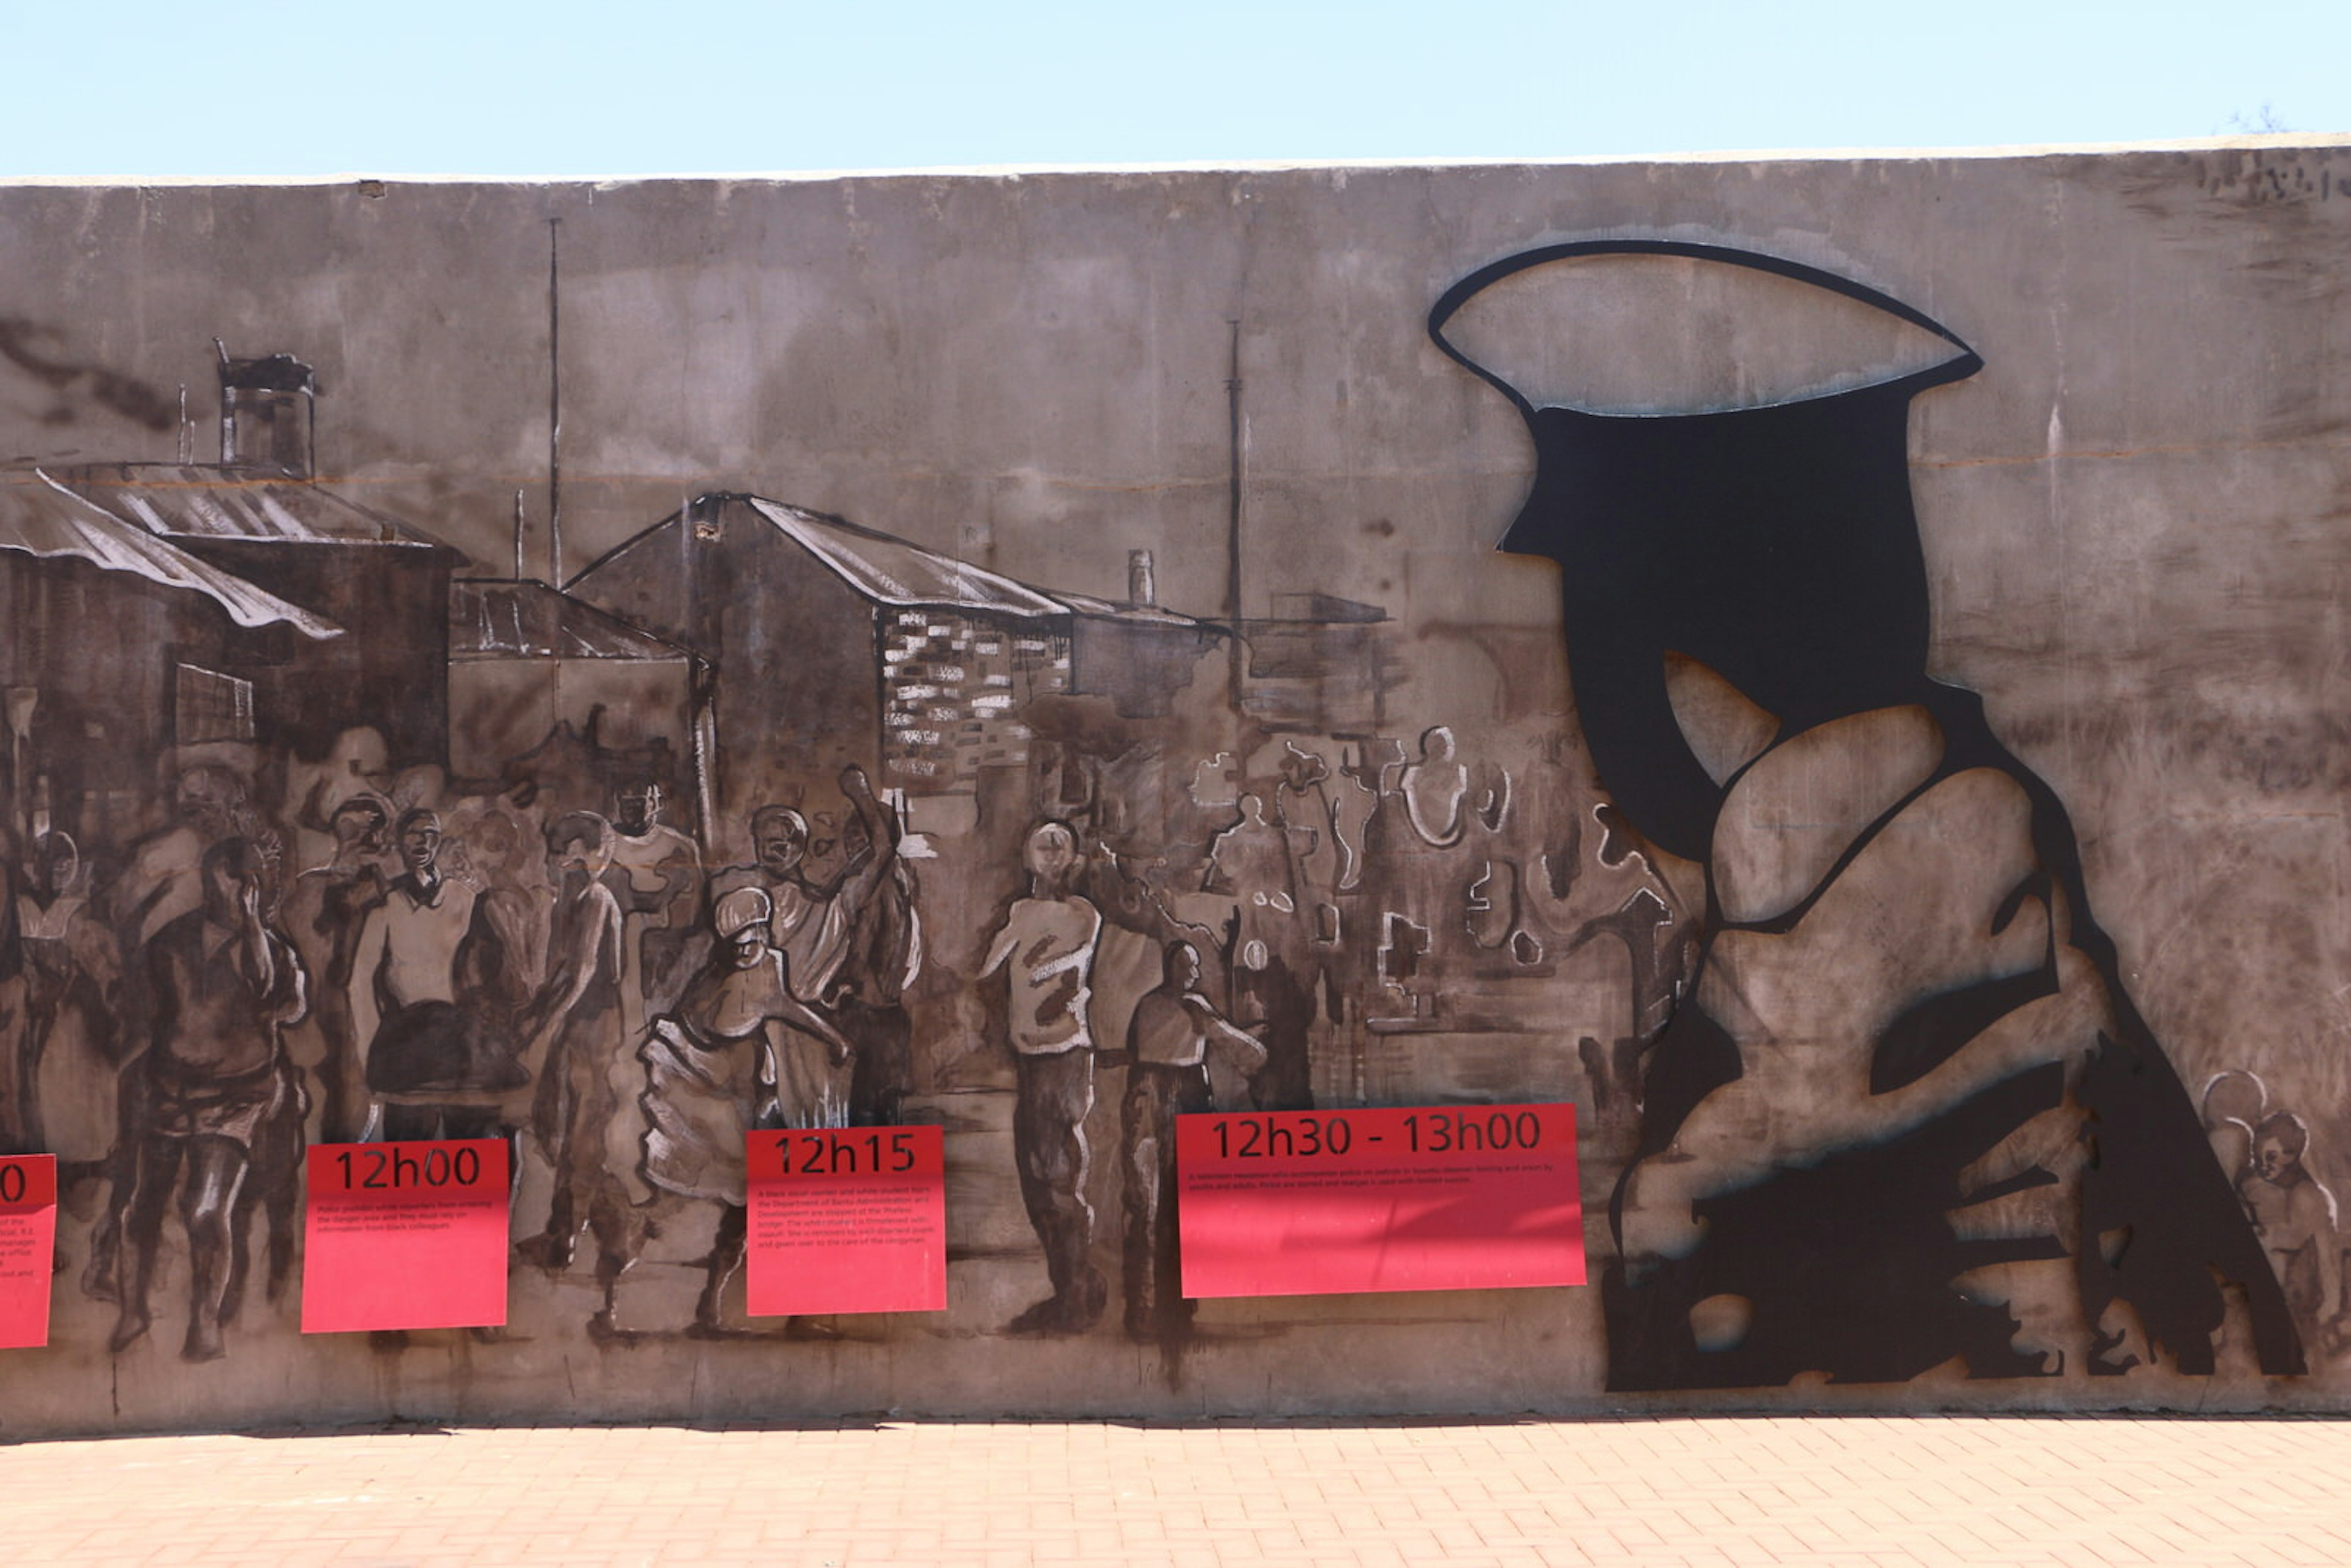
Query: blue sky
{"points": [[225, 91]]}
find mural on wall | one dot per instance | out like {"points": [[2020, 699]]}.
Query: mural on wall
{"points": [[1905, 1112], [326, 815], [285, 876]]}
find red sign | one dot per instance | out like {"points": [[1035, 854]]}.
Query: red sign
{"points": [[405, 1235], [28, 1237], [848, 1219], [1299, 1202]]}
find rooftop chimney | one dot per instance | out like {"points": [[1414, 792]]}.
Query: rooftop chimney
{"points": [[1142, 587], [268, 412]]}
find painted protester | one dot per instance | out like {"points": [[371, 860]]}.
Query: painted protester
{"points": [[575, 1036], [1169, 1039], [814, 925], [656, 875], [330, 904], [436, 1060], [72, 975], [867, 999], [218, 1105], [710, 1077], [16, 1014], [2295, 1217], [1046, 945]]}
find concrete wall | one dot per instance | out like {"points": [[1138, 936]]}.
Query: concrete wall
{"points": [[1914, 781]]}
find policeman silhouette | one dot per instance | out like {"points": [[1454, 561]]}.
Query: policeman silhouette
{"points": [[1906, 1115]]}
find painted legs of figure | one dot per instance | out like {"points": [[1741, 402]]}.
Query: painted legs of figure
{"points": [[725, 1257], [405, 1123], [16, 1119], [1048, 1141], [216, 1171], [1155, 1096], [273, 1187], [882, 1061]]}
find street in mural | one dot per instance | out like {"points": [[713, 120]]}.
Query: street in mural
{"points": [[765, 818]]}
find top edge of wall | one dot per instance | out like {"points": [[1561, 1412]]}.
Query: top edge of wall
{"points": [[2278, 142]]}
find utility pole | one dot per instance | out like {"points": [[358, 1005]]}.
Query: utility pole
{"points": [[1234, 654], [554, 406]]}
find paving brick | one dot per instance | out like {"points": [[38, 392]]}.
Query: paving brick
{"points": [[1863, 1492]]}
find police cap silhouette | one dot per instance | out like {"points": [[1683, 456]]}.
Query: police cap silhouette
{"points": [[1722, 473]]}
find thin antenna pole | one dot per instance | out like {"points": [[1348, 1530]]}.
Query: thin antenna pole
{"points": [[1233, 520], [554, 406], [187, 442], [228, 407], [517, 535]]}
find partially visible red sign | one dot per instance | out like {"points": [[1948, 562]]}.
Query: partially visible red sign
{"points": [[28, 1238], [405, 1235], [848, 1219], [1297, 1203]]}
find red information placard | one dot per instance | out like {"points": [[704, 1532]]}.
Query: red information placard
{"points": [[1299, 1203], [848, 1219], [28, 1238], [405, 1235]]}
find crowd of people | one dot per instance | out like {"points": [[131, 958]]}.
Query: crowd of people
{"points": [[339, 951], [1247, 921], [370, 956]]}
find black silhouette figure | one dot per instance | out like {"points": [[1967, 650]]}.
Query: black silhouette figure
{"points": [[1905, 1112]]}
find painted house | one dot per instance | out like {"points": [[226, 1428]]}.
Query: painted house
{"points": [[341, 561], [1321, 664], [529, 664], [120, 650], [831, 643]]}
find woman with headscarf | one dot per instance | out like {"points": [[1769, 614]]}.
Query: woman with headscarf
{"points": [[710, 1073]]}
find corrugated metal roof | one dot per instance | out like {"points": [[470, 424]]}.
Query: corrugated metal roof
{"points": [[892, 572], [41, 517], [504, 619], [196, 502], [1144, 615]]}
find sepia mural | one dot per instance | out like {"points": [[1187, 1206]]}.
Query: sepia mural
{"points": [[611, 670]]}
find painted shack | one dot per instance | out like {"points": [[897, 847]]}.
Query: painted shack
{"points": [[829, 644]]}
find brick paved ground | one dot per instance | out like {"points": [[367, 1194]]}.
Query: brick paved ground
{"points": [[1859, 1491]]}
